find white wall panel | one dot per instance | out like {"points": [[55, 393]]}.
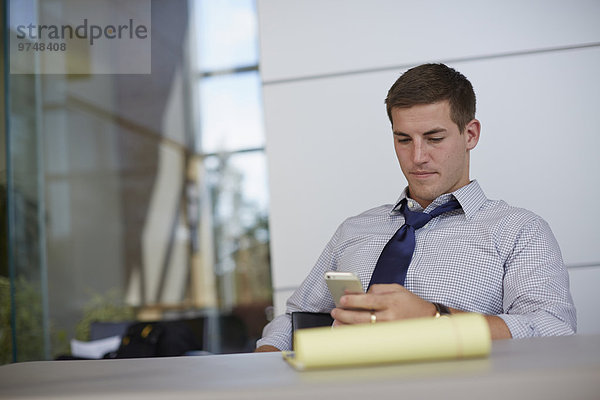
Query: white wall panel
{"points": [[330, 155], [540, 135], [315, 37], [584, 287]]}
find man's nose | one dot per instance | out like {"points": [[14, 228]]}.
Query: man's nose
{"points": [[419, 153]]}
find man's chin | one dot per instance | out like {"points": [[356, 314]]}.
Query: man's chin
{"points": [[422, 196]]}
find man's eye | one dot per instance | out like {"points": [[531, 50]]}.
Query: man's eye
{"points": [[403, 140], [436, 139]]}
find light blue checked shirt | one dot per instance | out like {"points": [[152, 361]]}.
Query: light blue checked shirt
{"points": [[487, 257]]}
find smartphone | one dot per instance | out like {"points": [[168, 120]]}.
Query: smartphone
{"points": [[341, 282]]}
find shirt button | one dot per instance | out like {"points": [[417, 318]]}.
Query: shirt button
{"points": [[411, 204]]}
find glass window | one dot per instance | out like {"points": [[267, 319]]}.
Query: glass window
{"points": [[138, 196], [238, 188], [231, 115], [230, 139], [227, 34]]}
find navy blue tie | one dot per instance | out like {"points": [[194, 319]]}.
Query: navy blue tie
{"points": [[397, 253]]}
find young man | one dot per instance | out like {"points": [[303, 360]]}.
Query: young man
{"points": [[475, 255]]}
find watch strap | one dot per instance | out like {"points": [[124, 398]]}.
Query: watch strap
{"points": [[440, 310]]}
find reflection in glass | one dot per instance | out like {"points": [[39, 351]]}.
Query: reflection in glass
{"points": [[238, 188], [227, 34], [26, 265], [231, 112], [135, 217]]}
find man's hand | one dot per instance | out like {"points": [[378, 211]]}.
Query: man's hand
{"points": [[265, 348], [389, 302]]}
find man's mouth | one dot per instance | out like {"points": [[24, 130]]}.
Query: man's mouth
{"points": [[422, 174]]}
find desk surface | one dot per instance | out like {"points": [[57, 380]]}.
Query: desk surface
{"points": [[544, 368]]}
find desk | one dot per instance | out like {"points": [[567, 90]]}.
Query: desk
{"points": [[539, 368]]}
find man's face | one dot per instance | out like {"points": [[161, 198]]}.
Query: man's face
{"points": [[433, 154]]}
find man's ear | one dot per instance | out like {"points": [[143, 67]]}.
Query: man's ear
{"points": [[472, 131]]}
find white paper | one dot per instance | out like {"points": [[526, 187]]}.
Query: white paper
{"points": [[95, 348]]}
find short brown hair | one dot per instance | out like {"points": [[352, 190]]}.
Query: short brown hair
{"points": [[430, 83]]}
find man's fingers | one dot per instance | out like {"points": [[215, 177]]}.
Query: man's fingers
{"points": [[345, 317], [367, 302], [390, 302], [381, 288], [357, 301]]}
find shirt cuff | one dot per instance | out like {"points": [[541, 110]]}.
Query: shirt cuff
{"points": [[278, 333], [537, 324], [520, 326]]}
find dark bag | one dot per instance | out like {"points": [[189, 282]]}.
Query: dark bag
{"points": [[157, 339]]}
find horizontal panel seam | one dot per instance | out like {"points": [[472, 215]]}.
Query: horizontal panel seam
{"points": [[445, 61], [583, 265]]}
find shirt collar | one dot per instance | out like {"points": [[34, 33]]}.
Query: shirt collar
{"points": [[471, 197]]}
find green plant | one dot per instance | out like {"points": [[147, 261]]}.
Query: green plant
{"points": [[29, 321], [5, 331], [103, 308]]}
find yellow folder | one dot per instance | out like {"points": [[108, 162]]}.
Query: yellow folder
{"points": [[457, 336]]}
